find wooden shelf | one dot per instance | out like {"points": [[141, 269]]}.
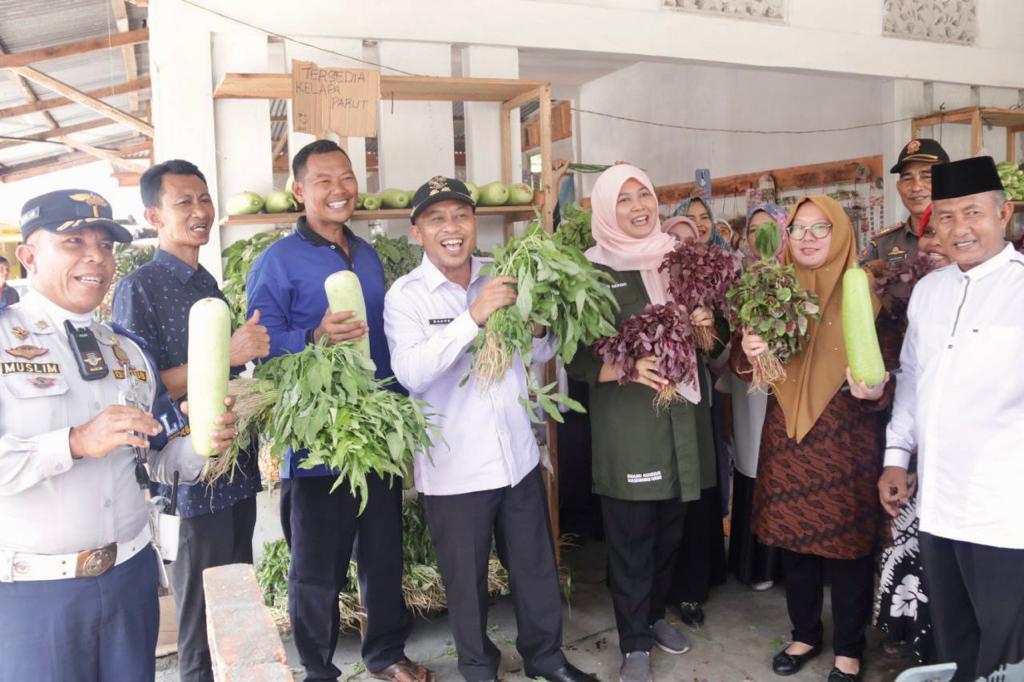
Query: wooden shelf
{"points": [[422, 88], [1018, 206], [977, 117], [512, 212]]}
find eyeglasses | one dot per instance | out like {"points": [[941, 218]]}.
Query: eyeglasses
{"points": [[818, 230]]}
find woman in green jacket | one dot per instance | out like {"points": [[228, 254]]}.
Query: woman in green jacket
{"points": [[647, 463]]}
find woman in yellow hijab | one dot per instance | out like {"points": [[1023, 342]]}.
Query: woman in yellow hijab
{"points": [[821, 450]]}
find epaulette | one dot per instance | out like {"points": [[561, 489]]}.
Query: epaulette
{"points": [[889, 228], [122, 331]]}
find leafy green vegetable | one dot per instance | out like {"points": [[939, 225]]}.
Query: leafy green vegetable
{"points": [[325, 399], [398, 255], [127, 259], [558, 289], [574, 230], [239, 257], [767, 300], [272, 574]]}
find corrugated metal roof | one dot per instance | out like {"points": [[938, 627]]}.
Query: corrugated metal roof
{"points": [[27, 25]]}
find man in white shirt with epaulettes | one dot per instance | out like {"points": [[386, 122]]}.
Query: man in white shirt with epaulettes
{"points": [[483, 475], [960, 405]]}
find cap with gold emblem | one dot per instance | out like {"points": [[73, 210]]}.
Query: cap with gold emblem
{"points": [[439, 188], [920, 149], [69, 210]]}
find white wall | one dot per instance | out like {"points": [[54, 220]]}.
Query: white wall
{"points": [[837, 36], [731, 98]]}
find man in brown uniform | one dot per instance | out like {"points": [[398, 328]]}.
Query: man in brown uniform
{"points": [[914, 166]]}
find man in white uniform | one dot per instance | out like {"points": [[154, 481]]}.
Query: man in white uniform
{"points": [[960, 404]]}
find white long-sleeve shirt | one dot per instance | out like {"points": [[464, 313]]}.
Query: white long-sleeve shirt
{"points": [[960, 401], [487, 442], [51, 503]]}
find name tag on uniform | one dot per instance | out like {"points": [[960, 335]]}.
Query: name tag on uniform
{"points": [[619, 285], [137, 373], [29, 368], [442, 320]]}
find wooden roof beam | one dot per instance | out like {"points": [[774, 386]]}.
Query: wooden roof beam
{"points": [[58, 132], [54, 102], [76, 47], [131, 65], [30, 94], [84, 99], [104, 154], [51, 164]]}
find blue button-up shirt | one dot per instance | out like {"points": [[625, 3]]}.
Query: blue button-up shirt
{"points": [[286, 284], [153, 302]]}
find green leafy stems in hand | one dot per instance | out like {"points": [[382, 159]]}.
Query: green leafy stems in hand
{"points": [[558, 289], [767, 300]]}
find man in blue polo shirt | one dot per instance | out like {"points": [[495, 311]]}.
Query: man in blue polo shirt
{"points": [[218, 520], [286, 284]]}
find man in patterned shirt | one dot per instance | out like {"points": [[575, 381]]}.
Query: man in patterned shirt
{"points": [[217, 521]]}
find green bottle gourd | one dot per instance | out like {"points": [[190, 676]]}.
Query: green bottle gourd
{"points": [[209, 344], [345, 293], [863, 354]]}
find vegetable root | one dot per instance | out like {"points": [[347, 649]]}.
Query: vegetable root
{"points": [[768, 371], [705, 338]]}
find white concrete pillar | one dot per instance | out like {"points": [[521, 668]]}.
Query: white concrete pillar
{"points": [[182, 99], [355, 146], [244, 154], [483, 130], [900, 99], [415, 140]]}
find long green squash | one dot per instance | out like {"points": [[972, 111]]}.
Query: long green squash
{"points": [[209, 341], [345, 293], [863, 354]]}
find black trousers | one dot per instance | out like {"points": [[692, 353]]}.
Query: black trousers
{"points": [[977, 604], [853, 582], [323, 528], [461, 527], [642, 539], [217, 539], [700, 561]]}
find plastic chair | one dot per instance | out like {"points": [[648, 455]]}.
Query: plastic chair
{"points": [[941, 672]]}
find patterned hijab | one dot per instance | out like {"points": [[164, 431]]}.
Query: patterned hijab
{"points": [[815, 375], [715, 238]]}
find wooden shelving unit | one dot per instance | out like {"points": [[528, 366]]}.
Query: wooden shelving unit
{"points": [[510, 93], [977, 118], [514, 213]]}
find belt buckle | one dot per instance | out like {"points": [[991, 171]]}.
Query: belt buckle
{"points": [[93, 563]]}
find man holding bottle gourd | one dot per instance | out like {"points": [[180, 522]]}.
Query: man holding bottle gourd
{"points": [[286, 284], [217, 519], [85, 423]]}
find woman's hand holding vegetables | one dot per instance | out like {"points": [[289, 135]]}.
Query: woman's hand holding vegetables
{"points": [[337, 328], [893, 489], [250, 342], [222, 438], [861, 391], [752, 345], [702, 317], [496, 294]]}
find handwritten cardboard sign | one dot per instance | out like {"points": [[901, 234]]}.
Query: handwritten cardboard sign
{"points": [[340, 100]]}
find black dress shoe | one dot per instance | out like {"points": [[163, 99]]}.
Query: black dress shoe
{"points": [[691, 613], [567, 673], [790, 664], [838, 675]]}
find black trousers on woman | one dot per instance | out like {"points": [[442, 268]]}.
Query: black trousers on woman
{"points": [[853, 582], [700, 561], [642, 539]]}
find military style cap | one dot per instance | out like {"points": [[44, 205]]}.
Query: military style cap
{"points": [[70, 210], [439, 188], [921, 149], [965, 177]]}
